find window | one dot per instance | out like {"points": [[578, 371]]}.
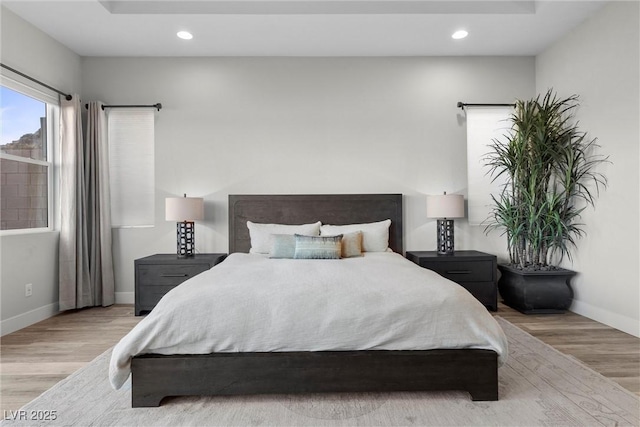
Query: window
{"points": [[483, 125], [131, 167], [25, 157]]}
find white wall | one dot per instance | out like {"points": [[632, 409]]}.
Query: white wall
{"points": [[342, 125], [599, 61], [32, 258], [303, 125]]}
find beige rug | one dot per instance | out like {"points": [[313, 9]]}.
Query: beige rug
{"points": [[538, 387]]}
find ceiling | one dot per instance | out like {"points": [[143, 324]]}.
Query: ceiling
{"points": [[304, 27]]}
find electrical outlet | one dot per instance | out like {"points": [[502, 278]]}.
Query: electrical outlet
{"points": [[28, 290]]}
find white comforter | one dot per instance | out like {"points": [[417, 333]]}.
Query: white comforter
{"points": [[250, 303]]}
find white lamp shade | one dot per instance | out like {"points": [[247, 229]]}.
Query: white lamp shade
{"points": [[184, 208], [445, 206]]}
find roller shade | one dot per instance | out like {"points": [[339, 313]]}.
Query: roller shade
{"points": [[131, 167], [483, 125]]}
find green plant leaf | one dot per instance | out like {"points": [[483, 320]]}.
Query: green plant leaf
{"points": [[551, 170]]}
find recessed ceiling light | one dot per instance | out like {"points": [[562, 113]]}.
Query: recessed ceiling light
{"points": [[460, 34], [184, 35]]}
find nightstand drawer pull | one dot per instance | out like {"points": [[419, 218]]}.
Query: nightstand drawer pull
{"points": [[458, 271], [174, 275]]}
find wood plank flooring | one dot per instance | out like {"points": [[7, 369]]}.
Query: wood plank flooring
{"points": [[35, 358], [606, 350]]}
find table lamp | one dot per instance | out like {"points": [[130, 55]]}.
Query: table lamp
{"points": [[185, 210], [445, 207]]}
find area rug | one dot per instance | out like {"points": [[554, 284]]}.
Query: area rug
{"points": [[539, 386]]}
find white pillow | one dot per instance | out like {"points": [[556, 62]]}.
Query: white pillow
{"points": [[375, 235], [261, 234]]}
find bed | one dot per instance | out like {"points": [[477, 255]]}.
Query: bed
{"points": [[155, 376]]}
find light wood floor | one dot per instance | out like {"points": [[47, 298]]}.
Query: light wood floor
{"points": [[35, 358], [610, 352]]}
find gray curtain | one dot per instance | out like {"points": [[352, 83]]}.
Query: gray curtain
{"points": [[86, 264]]}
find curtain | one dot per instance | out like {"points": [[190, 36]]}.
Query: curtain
{"points": [[74, 263], [86, 266], [484, 124], [96, 171]]}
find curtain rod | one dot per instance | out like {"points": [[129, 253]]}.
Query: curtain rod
{"points": [[156, 105], [66, 95], [462, 105]]}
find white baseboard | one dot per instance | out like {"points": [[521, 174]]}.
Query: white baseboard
{"points": [[23, 320], [125, 297], [29, 318], [615, 320]]}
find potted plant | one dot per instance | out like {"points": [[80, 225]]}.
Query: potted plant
{"points": [[550, 175]]}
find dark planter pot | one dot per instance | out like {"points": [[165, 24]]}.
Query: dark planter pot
{"points": [[536, 292]]}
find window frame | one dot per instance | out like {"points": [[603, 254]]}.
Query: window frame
{"points": [[52, 102]]}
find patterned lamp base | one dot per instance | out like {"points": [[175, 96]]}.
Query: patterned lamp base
{"points": [[445, 236], [186, 235]]}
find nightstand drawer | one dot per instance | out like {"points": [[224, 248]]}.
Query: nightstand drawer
{"points": [[475, 271], [461, 271], [150, 295], [157, 274], [168, 275], [485, 292], [157, 290]]}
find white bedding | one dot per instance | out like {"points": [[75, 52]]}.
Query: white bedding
{"points": [[250, 303]]}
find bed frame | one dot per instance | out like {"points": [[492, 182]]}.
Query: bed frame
{"points": [[157, 376]]}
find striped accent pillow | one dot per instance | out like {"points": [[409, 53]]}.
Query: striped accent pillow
{"points": [[311, 247], [282, 246]]}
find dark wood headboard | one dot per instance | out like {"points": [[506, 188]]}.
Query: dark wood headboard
{"points": [[336, 209]]}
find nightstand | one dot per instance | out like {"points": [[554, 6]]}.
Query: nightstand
{"points": [[158, 274], [475, 271]]}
